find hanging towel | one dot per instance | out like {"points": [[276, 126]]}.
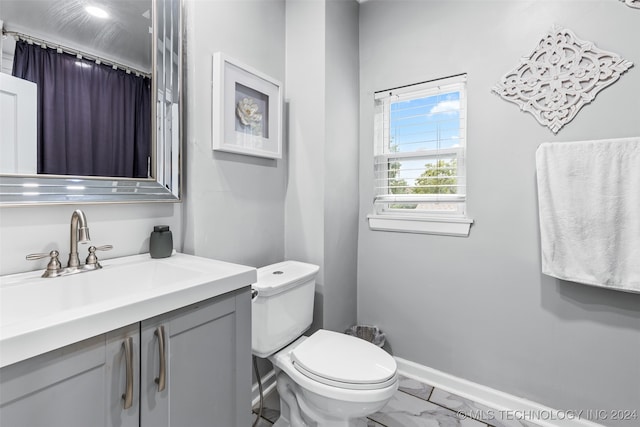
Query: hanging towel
{"points": [[589, 206]]}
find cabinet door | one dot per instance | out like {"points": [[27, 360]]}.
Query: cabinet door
{"points": [[207, 348], [77, 385]]}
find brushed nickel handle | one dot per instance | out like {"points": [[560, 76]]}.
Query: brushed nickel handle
{"points": [[128, 357], [91, 263], [32, 257], [54, 268], [162, 374]]}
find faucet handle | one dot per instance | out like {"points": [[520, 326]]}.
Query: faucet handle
{"points": [[92, 260], [54, 268]]}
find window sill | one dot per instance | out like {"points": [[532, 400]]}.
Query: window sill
{"points": [[422, 225]]}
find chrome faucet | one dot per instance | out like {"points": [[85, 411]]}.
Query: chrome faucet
{"points": [[78, 234]]}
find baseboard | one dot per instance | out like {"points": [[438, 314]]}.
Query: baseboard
{"points": [[268, 385], [514, 407]]}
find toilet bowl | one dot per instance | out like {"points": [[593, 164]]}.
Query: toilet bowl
{"points": [[332, 382], [327, 379]]}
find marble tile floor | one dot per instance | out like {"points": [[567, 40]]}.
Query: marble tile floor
{"points": [[418, 405]]}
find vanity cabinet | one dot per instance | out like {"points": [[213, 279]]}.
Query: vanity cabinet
{"points": [[207, 365], [203, 351], [78, 385]]}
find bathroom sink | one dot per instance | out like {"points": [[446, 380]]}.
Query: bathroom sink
{"points": [[41, 314], [44, 297]]}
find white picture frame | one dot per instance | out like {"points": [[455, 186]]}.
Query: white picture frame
{"points": [[247, 109]]}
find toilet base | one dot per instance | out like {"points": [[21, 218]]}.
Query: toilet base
{"points": [[352, 423], [299, 407]]}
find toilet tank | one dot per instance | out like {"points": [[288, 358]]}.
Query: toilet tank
{"points": [[283, 307]]}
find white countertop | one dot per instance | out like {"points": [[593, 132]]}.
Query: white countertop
{"points": [[39, 315]]}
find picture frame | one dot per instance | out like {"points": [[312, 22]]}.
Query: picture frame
{"points": [[247, 109]]}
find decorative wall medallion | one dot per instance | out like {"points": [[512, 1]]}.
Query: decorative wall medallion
{"points": [[561, 75], [632, 3]]}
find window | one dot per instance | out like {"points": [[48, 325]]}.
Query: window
{"points": [[419, 158]]}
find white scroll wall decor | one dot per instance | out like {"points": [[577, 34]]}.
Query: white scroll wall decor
{"points": [[632, 3], [561, 75]]}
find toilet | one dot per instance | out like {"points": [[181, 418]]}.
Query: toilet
{"points": [[327, 379]]}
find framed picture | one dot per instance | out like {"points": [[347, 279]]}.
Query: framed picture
{"points": [[247, 109]]}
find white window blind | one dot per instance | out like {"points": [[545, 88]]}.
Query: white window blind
{"points": [[420, 141]]}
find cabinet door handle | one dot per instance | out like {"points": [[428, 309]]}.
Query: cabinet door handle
{"points": [[162, 374], [128, 357]]}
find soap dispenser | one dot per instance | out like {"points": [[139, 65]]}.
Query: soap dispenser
{"points": [[161, 242]]}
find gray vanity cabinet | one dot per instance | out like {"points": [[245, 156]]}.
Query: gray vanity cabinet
{"points": [[207, 382], [78, 385], [207, 361]]}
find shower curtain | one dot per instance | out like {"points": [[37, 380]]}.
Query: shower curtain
{"points": [[92, 120]]}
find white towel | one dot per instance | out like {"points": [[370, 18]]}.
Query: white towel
{"points": [[589, 203]]}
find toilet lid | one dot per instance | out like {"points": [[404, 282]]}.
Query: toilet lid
{"points": [[344, 361]]}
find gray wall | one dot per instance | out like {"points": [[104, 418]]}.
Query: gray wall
{"points": [[322, 95], [258, 211], [341, 164], [234, 208], [26, 230], [305, 99], [478, 307]]}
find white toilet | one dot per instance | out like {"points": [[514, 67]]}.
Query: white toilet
{"points": [[326, 380]]}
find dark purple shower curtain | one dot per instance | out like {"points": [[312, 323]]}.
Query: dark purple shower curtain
{"points": [[92, 120]]}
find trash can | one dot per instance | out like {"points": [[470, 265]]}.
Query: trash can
{"points": [[373, 334]]}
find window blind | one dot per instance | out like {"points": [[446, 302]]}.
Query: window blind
{"points": [[420, 142]]}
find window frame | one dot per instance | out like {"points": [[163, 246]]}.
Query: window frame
{"points": [[386, 218]]}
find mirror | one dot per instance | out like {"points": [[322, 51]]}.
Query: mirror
{"points": [[159, 55]]}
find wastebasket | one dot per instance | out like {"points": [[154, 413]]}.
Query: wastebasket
{"points": [[373, 334]]}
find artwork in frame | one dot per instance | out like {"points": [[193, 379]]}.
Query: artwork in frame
{"points": [[247, 109]]}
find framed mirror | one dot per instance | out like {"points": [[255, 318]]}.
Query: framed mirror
{"points": [[139, 39]]}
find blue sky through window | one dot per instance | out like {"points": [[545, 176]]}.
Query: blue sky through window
{"points": [[428, 123], [425, 123]]}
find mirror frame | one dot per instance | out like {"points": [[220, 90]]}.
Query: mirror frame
{"points": [[26, 190]]}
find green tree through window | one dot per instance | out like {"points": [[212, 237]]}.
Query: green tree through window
{"points": [[438, 178], [396, 185]]}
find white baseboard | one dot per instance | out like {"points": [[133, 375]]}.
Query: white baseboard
{"points": [[514, 407], [268, 384]]}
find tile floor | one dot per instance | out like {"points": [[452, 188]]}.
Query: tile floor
{"points": [[419, 405]]}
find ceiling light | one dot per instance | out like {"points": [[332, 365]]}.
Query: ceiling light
{"points": [[96, 11]]}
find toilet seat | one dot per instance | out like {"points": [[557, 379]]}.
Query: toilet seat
{"points": [[344, 361]]}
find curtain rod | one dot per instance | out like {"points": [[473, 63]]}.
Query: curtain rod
{"points": [[81, 55]]}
